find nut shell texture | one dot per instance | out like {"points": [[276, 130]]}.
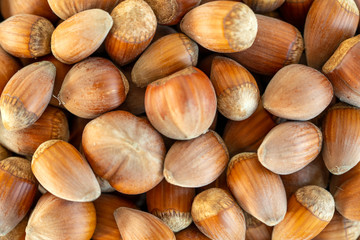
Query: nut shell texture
{"points": [[170, 12], [134, 28], [18, 187], [217, 215], [247, 135], [9, 66], [137, 225], [26, 95], [236, 89], [64, 172], [347, 199], [310, 210], [166, 56], [80, 35], [225, 26], [125, 150], [52, 124], [328, 23], [342, 68], [340, 228], [105, 205], [259, 191], [181, 106], [341, 132], [171, 204], [290, 146], [37, 7], [26, 35], [317, 200], [67, 8], [276, 45], [196, 162], [92, 87], [55, 218], [291, 95]]}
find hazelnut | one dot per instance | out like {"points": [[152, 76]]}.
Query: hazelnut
{"points": [[26, 95], [134, 164], [69, 175], [171, 204], [196, 162], [135, 224], [181, 106], [56, 218]]}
